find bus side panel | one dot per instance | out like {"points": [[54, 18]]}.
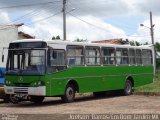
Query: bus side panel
{"points": [[143, 76], [100, 78], [54, 86]]}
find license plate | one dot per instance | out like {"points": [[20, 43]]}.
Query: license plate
{"points": [[23, 96]]}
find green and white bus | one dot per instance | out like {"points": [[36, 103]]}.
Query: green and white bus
{"points": [[44, 68]]}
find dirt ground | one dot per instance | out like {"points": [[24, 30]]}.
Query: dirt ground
{"points": [[55, 109], [87, 105]]}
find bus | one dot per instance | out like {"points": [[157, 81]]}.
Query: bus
{"points": [[47, 68]]}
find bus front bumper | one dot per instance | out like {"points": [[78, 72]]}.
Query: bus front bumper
{"points": [[37, 91]]}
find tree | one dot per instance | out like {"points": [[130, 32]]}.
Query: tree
{"points": [[157, 49], [132, 43], [80, 40], [146, 43], [137, 43], [56, 38], [53, 38], [126, 41], [157, 46]]}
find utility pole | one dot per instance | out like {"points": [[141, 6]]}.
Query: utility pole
{"points": [[64, 19], [151, 28], [152, 38]]}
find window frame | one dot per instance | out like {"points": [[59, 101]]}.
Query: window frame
{"points": [[121, 57], [138, 57], [100, 61], [47, 65], [102, 56], [82, 56], [151, 57], [132, 57]]}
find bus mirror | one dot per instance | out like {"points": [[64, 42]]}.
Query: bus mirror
{"points": [[2, 58], [54, 54], [3, 55]]}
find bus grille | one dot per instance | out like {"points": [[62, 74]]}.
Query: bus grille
{"points": [[21, 90], [22, 84]]}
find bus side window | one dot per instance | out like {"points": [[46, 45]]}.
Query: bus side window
{"points": [[75, 55], [124, 59], [108, 56], [122, 56], [132, 60], [138, 57], [92, 55], [56, 61], [118, 56], [146, 57]]}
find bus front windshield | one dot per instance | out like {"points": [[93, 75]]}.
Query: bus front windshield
{"points": [[26, 62]]}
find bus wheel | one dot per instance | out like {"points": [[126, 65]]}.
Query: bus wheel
{"points": [[128, 88], [6, 98], [69, 95], [37, 99]]}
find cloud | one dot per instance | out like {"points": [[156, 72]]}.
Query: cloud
{"points": [[98, 29], [146, 6], [93, 11], [143, 33], [100, 8], [4, 18]]}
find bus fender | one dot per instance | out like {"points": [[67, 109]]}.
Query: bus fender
{"points": [[131, 79], [74, 83]]}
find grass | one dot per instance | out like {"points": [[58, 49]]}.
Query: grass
{"points": [[153, 88]]}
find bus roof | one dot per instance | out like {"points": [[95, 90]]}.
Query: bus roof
{"points": [[62, 42]]}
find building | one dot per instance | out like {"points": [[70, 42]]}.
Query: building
{"points": [[22, 35], [9, 33], [111, 41]]}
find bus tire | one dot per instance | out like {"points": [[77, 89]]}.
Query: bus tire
{"points": [[6, 98], [37, 99], [128, 88], [69, 94]]}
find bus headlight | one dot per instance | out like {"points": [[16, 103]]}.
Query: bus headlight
{"points": [[39, 83], [35, 83], [8, 82]]}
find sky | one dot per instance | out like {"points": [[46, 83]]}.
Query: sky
{"points": [[86, 19]]}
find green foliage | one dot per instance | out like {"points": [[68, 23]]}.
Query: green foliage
{"points": [[53, 38], [146, 43], [137, 43], [157, 46], [150, 88], [56, 38], [132, 42], [126, 41], [158, 63], [80, 40]]}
